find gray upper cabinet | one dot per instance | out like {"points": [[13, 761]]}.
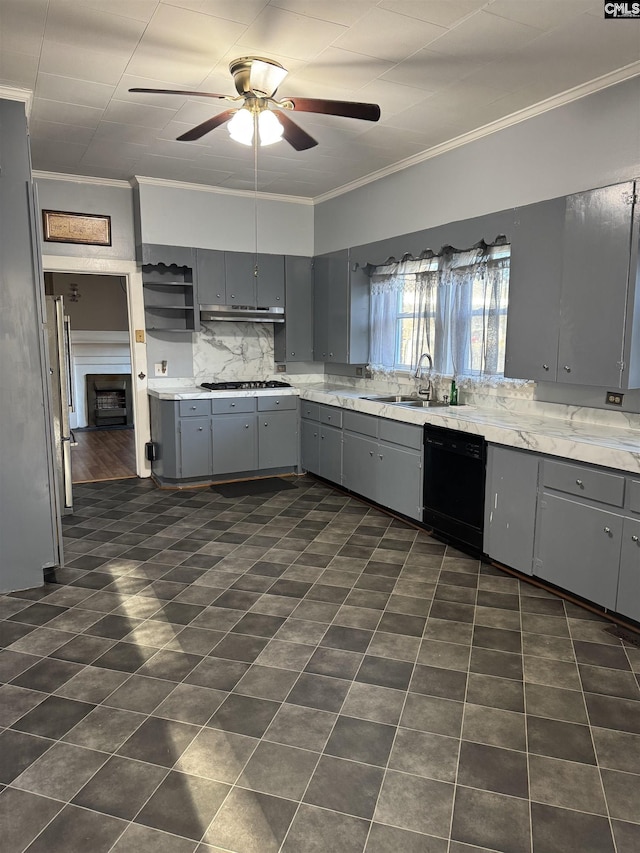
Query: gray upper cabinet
{"points": [[293, 340], [341, 310], [534, 292], [270, 281], [155, 253], [595, 273], [240, 277], [211, 277], [574, 307]]}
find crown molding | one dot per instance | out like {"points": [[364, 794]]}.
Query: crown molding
{"points": [[604, 82], [15, 93], [80, 179], [206, 188]]}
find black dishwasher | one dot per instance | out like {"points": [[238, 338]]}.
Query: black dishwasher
{"points": [[454, 477]]}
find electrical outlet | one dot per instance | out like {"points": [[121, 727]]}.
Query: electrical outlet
{"points": [[614, 398], [139, 336], [359, 371], [160, 368], [281, 368]]}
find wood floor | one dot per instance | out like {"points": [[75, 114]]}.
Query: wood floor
{"points": [[103, 455]]}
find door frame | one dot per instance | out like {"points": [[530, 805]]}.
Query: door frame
{"points": [[130, 272]]}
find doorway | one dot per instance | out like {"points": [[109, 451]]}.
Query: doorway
{"points": [[100, 374]]}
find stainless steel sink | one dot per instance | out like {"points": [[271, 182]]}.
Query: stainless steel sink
{"points": [[423, 404], [393, 398]]}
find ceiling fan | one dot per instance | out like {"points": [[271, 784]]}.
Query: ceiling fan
{"points": [[261, 114]]}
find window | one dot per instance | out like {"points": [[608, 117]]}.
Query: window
{"points": [[452, 305]]}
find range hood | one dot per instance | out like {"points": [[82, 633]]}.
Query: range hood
{"points": [[241, 313]]}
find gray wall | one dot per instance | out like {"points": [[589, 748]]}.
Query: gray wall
{"points": [[82, 197], [102, 300], [26, 528], [591, 142], [213, 220]]}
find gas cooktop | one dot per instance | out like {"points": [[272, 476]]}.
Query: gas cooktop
{"points": [[243, 386]]}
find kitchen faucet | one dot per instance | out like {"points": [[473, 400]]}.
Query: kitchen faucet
{"points": [[424, 391]]}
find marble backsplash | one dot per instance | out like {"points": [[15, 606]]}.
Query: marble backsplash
{"points": [[233, 352]]}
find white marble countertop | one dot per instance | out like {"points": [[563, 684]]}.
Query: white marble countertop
{"points": [[197, 393], [611, 447]]}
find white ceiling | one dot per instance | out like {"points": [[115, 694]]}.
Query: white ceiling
{"points": [[438, 69]]}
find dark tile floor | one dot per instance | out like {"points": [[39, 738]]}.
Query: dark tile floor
{"points": [[301, 673]]}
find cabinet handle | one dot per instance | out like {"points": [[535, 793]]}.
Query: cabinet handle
{"points": [[277, 299], [545, 367], [381, 456], [578, 482], [193, 408], [266, 424], [233, 296], [200, 429], [330, 355], [293, 353], [634, 538], [277, 402], [567, 368], [371, 453], [233, 405], [607, 530], [218, 296], [246, 426]]}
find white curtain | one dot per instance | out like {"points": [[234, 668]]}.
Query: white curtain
{"points": [[452, 306]]}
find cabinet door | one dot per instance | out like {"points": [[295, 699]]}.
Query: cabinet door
{"points": [[510, 507], [330, 454], [235, 446], [321, 278], [338, 309], [210, 277], [293, 340], [399, 480], [277, 439], [629, 585], [240, 278], [195, 447], [578, 548], [270, 283], [360, 468], [597, 239], [310, 446], [535, 278]]}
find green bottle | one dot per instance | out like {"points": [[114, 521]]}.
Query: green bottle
{"points": [[453, 394]]}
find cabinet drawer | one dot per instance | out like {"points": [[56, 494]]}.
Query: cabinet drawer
{"points": [[363, 424], [406, 435], [634, 495], [331, 415], [194, 408], [584, 482], [233, 405], [311, 411], [277, 404]]}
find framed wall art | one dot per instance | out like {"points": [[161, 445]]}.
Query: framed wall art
{"points": [[60, 226]]}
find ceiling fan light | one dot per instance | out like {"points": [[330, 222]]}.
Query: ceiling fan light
{"points": [[269, 128], [241, 127]]}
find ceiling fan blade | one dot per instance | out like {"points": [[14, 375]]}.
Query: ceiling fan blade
{"points": [[206, 126], [179, 92], [294, 134], [348, 109]]}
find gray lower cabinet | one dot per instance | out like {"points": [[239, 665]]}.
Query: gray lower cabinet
{"points": [[578, 548], [383, 462], [629, 584], [330, 453], [310, 446], [207, 440], [510, 507], [277, 439], [235, 446], [195, 447]]}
